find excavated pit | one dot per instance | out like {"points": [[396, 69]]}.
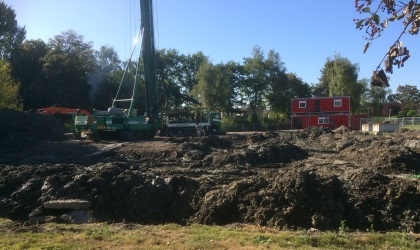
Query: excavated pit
{"points": [[288, 179]]}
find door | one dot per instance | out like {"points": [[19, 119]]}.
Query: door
{"points": [[317, 105]]}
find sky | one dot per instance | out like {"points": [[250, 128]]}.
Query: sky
{"points": [[305, 33]]}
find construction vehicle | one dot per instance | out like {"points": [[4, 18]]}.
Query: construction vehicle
{"points": [[126, 122], [61, 111], [186, 122]]}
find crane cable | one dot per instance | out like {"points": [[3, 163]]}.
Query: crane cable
{"points": [[140, 32]]}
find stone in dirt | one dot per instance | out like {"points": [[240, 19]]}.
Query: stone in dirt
{"points": [[67, 204]]}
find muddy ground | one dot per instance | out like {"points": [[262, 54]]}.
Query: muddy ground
{"points": [[313, 178]]}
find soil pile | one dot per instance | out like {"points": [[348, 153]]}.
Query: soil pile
{"points": [[302, 179]]}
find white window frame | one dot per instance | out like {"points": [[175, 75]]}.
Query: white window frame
{"points": [[338, 103], [302, 104], [323, 120]]}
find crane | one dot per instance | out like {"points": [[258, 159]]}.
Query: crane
{"points": [[126, 122]]}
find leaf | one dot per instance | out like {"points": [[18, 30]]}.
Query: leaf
{"points": [[366, 10], [359, 24], [366, 47], [400, 17], [384, 24], [376, 18]]}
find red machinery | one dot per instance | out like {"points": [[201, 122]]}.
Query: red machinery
{"points": [[60, 111]]}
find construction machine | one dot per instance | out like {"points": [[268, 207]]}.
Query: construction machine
{"points": [[61, 111], [190, 122], [126, 122]]}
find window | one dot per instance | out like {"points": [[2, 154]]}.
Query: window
{"points": [[323, 120], [338, 102], [302, 104]]}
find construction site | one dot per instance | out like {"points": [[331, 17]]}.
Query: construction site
{"points": [[311, 178]]}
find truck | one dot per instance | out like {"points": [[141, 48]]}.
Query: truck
{"points": [[190, 122]]}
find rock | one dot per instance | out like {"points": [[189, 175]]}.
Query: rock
{"points": [[67, 204]]}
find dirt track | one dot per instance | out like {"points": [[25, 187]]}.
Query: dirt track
{"points": [[302, 179]]}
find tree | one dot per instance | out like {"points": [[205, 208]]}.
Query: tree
{"points": [[176, 76], [255, 80], [169, 77], [9, 89], [408, 98], [377, 15], [213, 88], [407, 94], [283, 88], [11, 35], [391, 108], [377, 96], [66, 67], [27, 67], [340, 76], [102, 82]]}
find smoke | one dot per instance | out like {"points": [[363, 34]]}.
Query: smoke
{"points": [[94, 80]]}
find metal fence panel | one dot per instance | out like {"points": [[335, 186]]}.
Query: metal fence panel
{"points": [[404, 122]]}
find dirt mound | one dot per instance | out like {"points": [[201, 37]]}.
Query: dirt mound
{"points": [[298, 179], [387, 155], [20, 130], [35, 126], [313, 132], [258, 150], [292, 199], [381, 202]]}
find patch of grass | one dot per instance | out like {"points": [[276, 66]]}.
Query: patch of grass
{"points": [[173, 236]]}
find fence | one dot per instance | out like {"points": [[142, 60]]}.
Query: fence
{"points": [[404, 122]]}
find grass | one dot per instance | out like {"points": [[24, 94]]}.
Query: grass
{"points": [[172, 236]]}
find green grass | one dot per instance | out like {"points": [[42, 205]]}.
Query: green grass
{"points": [[173, 236]]}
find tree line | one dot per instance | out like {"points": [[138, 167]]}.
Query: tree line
{"points": [[67, 71]]}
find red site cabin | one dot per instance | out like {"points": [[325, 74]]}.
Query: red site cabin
{"points": [[331, 112]]}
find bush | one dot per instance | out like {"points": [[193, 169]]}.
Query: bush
{"points": [[411, 113]]}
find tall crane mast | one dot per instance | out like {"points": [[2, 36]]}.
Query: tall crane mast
{"points": [[149, 58], [125, 122]]}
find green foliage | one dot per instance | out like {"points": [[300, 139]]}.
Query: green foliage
{"points": [[342, 228], [103, 81], [11, 35], [411, 113], [9, 89], [339, 77], [176, 77], [282, 88], [408, 107], [407, 94], [65, 69], [275, 117], [213, 87], [376, 99], [28, 68]]}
